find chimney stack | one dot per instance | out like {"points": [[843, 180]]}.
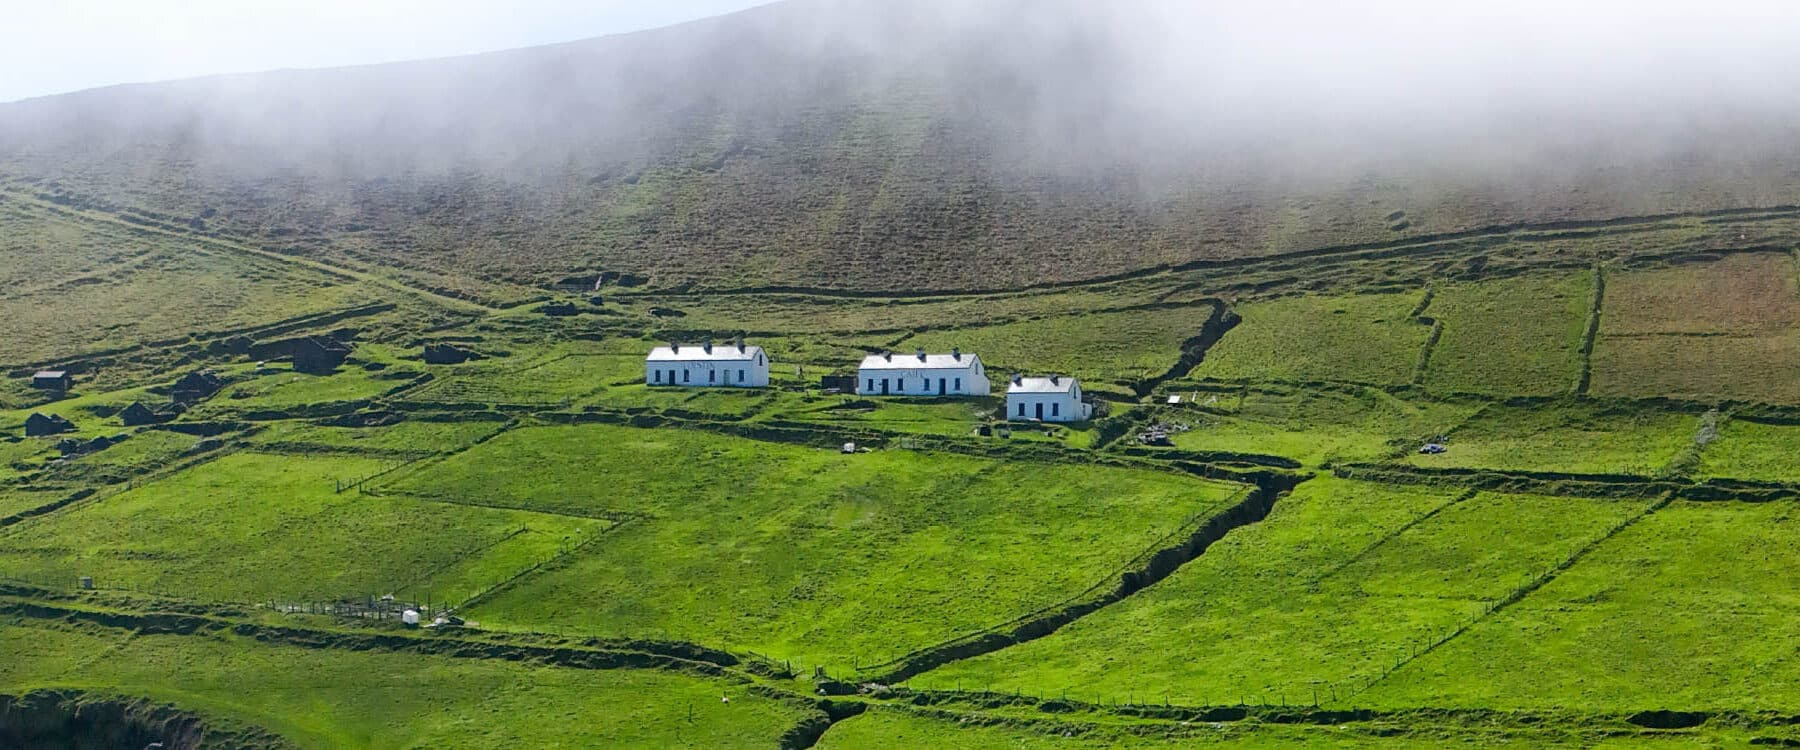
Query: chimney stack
{"points": [[707, 347], [675, 347], [888, 355], [1018, 379], [956, 353], [740, 344], [921, 354], [1056, 380]]}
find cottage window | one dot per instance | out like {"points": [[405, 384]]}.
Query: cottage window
{"points": [[1021, 408], [740, 376], [1055, 409], [712, 376], [658, 375], [684, 375], [871, 385], [959, 385]]}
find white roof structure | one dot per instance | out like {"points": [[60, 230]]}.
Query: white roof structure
{"points": [[1051, 384], [703, 353], [919, 361]]}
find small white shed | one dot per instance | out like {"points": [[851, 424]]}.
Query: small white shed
{"points": [[921, 374], [704, 365], [1053, 398]]}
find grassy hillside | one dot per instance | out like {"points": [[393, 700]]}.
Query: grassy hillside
{"points": [[1248, 546], [821, 143]]}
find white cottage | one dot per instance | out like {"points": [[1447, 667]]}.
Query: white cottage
{"points": [[921, 374], [1048, 399], [702, 365]]}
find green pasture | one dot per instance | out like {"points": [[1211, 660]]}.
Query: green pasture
{"points": [[249, 527], [1752, 450], [1517, 336], [951, 730], [1314, 427], [1249, 621], [807, 553], [1574, 437], [411, 436], [1118, 347], [1690, 608], [1360, 338], [331, 698]]}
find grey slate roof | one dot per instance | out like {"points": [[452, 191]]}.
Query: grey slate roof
{"points": [[1063, 384], [912, 361], [698, 353]]}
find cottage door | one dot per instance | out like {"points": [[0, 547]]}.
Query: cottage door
{"points": [[1040, 412], [941, 387]]}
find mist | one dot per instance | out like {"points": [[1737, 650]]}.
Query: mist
{"points": [[1282, 125]]}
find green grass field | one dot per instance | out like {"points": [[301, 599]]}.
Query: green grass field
{"points": [[1366, 338], [788, 550], [1519, 336], [1247, 622], [1344, 581], [893, 727], [324, 698], [1118, 346], [251, 527], [1546, 618], [1687, 608], [412, 436], [1578, 438], [1313, 427], [1750, 450]]}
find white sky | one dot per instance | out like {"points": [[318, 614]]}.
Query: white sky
{"points": [[54, 46]]}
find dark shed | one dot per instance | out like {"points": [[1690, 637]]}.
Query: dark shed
{"points": [[52, 380]]}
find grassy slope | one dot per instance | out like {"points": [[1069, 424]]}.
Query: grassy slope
{"points": [[1576, 437], [900, 728], [1518, 336], [1338, 584], [1239, 620], [1119, 346], [1729, 329], [791, 551], [1365, 338], [1754, 451], [1313, 427], [1687, 609], [249, 527], [169, 287], [335, 699]]}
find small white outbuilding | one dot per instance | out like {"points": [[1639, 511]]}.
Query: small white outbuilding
{"points": [[702, 365], [1052, 398], [921, 374]]}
